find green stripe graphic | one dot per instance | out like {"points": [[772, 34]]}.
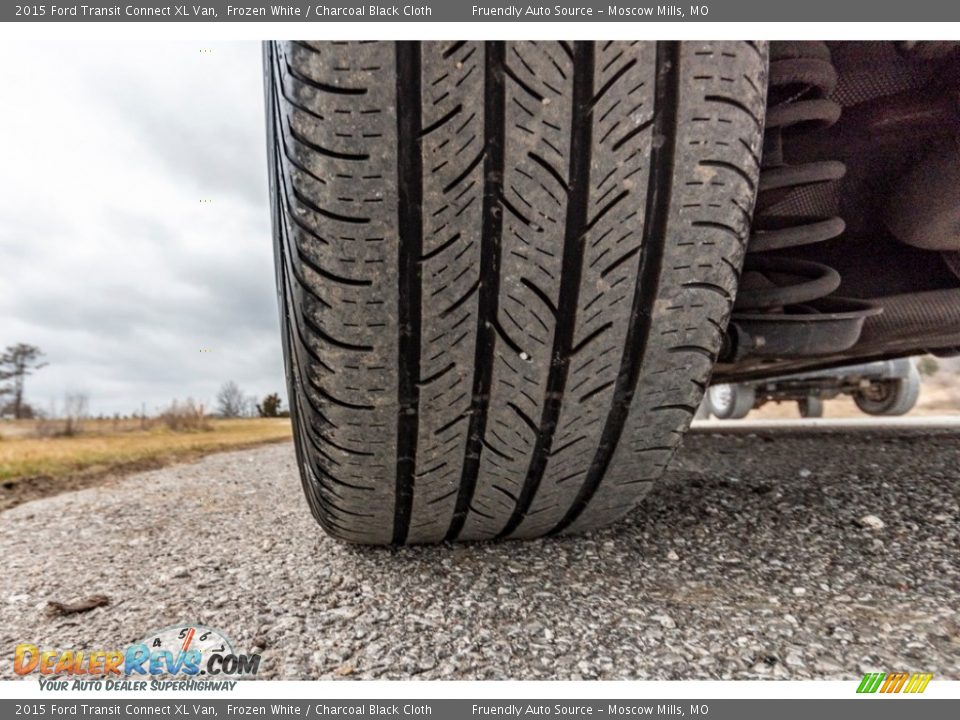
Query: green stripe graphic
{"points": [[871, 682]]}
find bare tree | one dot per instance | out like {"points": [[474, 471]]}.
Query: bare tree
{"points": [[16, 362], [185, 417], [75, 407], [231, 402]]}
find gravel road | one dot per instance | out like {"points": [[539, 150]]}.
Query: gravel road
{"points": [[765, 553]]}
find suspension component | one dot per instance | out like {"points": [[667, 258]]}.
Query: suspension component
{"points": [[782, 308]]}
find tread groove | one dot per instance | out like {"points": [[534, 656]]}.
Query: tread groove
{"points": [[612, 81], [581, 141], [656, 213], [520, 83], [724, 100], [733, 168], [442, 121], [494, 130], [554, 173], [323, 87], [321, 150], [410, 228]]}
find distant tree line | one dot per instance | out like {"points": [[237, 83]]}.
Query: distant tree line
{"points": [[232, 402], [19, 361]]}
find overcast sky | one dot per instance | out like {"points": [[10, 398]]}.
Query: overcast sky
{"points": [[109, 261]]}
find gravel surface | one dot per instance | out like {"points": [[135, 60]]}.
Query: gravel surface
{"points": [[763, 554]]}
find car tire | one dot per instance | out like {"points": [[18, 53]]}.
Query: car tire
{"points": [[731, 401], [810, 407], [505, 270], [890, 397]]}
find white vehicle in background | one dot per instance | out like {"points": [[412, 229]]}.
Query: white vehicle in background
{"points": [[886, 387]]}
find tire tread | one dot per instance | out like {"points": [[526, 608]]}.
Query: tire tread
{"points": [[504, 269]]}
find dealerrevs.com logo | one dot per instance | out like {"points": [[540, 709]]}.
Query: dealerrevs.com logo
{"points": [[176, 658]]}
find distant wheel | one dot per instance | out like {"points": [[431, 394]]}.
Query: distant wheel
{"points": [[810, 407], [731, 401], [895, 396]]}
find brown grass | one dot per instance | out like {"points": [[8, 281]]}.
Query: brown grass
{"points": [[106, 446]]}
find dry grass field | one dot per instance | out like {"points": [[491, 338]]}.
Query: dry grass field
{"points": [[36, 462]]}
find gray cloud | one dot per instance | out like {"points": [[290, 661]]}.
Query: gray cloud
{"points": [[109, 261]]}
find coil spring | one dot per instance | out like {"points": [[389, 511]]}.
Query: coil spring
{"points": [[802, 77]]}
